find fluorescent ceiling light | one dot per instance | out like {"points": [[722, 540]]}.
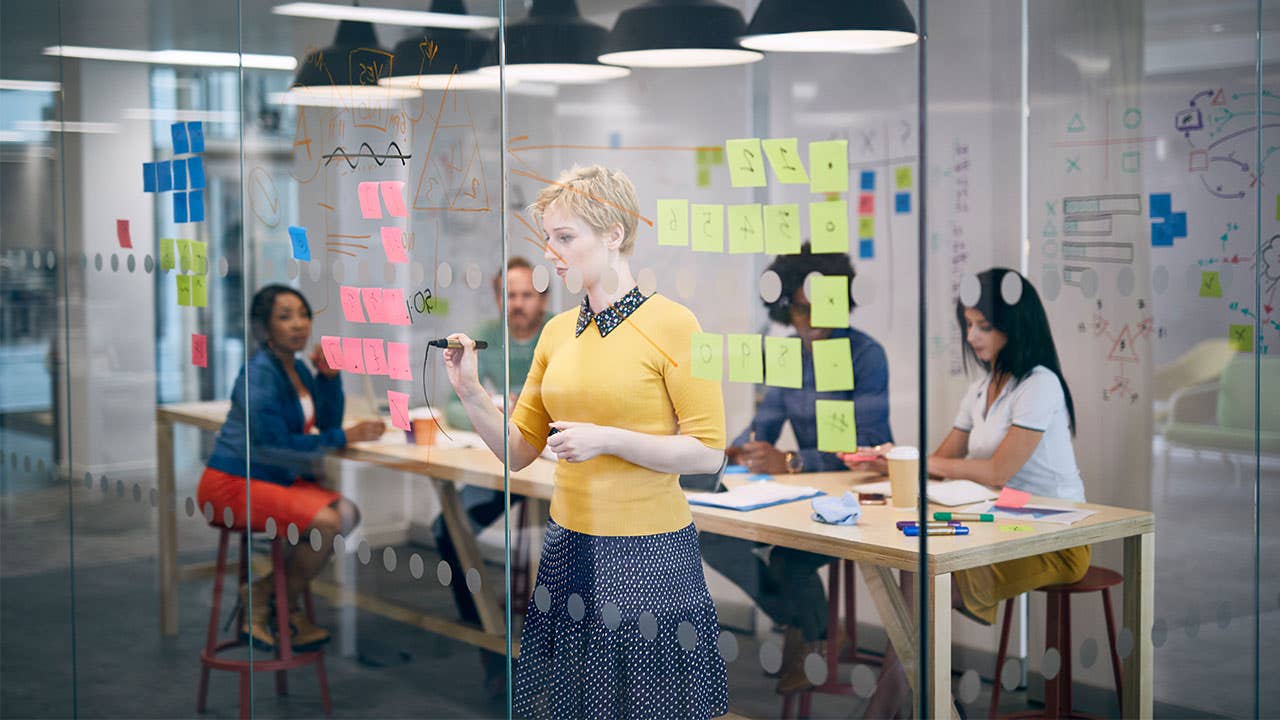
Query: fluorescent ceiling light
{"points": [[229, 117], [344, 96], [847, 41], [30, 85], [681, 57], [89, 128], [385, 16], [561, 73], [197, 58]]}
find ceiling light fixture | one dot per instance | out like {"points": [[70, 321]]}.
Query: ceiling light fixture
{"points": [[30, 85], [678, 34], [347, 71], [197, 58], [554, 44], [436, 58], [384, 16], [849, 26]]}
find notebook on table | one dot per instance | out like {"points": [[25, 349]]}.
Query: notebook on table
{"points": [[753, 495]]}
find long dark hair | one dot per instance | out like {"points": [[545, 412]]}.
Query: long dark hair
{"points": [[264, 301], [1024, 323]]}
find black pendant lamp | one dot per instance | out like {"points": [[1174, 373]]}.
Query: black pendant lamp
{"points": [[830, 26], [678, 34], [554, 44], [437, 58], [346, 70]]}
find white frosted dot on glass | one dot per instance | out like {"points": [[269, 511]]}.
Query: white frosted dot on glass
{"points": [[1160, 279], [208, 512], [389, 559], [337, 271], [268, 268], [1192, 624], [119, 483], [444, 275], [363, 552], [155, 497], [444, 573], [1089, 283], [228, 516], [1051, 284], [131, 263], [864, 290], [1224, 615], [577, 609], [542, 599], [416, 567], [224, 267], [1088, 652], [770, 656], [51, 259], [1126, 281], [84, 260], [770, 286], [648, 626], [473, 276], [389, 273], [316, 539], [1226, 276], [104, 485], [473, 580], [609, 280], [148, 264], [863, 679], [1011, 288], [270, 528], [1159, 632], [815, 669], [137, 492], [686, 282], [970, 686], [314, 271], [647, 281], [727, 644], [362, 272], [190, 507], [1011, 673], [97, 262], [687, 635], [291, 268], [88, 477], [573, 280], [292, 533], [541, 278], [417, 272], [1124, 643], [970, 290], [115, 262], [611, 616], [339, 545], [808, 283]]}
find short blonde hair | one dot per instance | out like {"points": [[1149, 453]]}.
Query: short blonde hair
{"points": [[599, 195]]}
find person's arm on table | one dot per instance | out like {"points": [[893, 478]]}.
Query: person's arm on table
{"points": [[1013, 452]]}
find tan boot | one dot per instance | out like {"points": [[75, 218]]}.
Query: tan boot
{"points": [[256, 627], [792, 678], [306, 634]]}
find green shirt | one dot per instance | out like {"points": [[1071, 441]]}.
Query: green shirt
{"points": [[489, 362]]}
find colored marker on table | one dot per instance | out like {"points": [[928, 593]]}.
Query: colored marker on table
{"points": [[932, 523], [975, 517], [914, 531]]}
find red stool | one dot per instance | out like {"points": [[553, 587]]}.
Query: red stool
{"points": [[286, 659], [836, 580], [1057, 628]]}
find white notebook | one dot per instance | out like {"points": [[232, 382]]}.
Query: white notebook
{"points": [[943, 492], [753, 495]]}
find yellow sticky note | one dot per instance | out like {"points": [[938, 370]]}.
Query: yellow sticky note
{"points": [[837, 431], [746, 359], [902, 177], [707, 355], [673, 222], [829, 166], [782, 229], [199, 257], [184, 255], [1016, 528], [782, 362], [746, 229], [184, 289], [1240, 337], [866, 226], [784, 158], [832, 365], [829, 226], [199, 291], [708, 228], [746, 163], [166, 253], [1210, 284], [829, 304]]}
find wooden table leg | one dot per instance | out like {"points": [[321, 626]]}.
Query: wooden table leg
{"points": [[464, 542], [168, 526], [896, 616], [940, 701], [900, 625], [1139, 614]]}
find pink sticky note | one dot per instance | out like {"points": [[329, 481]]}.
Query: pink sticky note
{"points": [[122, 234], [353, 355], [866, 204], [393, 304], [370, 207], [199, 350], [332, 347], [399, 403], [393, 245], [374, 304], [1010, 498], [375, 359], [393, 196], [398, 361], [351, 309]]}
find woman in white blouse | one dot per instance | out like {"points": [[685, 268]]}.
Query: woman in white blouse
{"points": [[1014, 430]]}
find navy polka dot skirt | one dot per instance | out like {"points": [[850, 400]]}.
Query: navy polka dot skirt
{"points": [[620, 627]]}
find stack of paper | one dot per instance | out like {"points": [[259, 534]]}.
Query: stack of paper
{"points": [[943, 492], [754, 495]]}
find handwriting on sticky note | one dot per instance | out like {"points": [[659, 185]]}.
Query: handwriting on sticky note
{"points": [[837, 431], [1012, 497], [1210, 284], [332, 348], [784, 158], [782, 229], [707, 355], [829, 226], [397, 310], [393, 245], [832, 365], [829, 306], [122, 234], [1240, 337], [375, 357], [353, 355], [746, 359], [782, 362], [673, 222], [350, 298], [902, 177], [199, 257], [708, 228], [393, 197], [199, 350], [298, 239], [184, 255], [399, 404], [370, 204], [199, 291], [1016, 528], [746, 229], [398, 361], [183, 283], [746, 162], [829, 166], [167, 253], [373, 304]]}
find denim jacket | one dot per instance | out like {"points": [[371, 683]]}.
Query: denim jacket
{"points": [[279, 450]]}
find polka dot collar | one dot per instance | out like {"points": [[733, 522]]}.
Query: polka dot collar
{"points": [[612, 316]]}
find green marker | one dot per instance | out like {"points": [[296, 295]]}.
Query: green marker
{"points": [[972, 517]]}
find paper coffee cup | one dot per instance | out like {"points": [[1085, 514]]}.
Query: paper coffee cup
{"points": [[904, 475]]}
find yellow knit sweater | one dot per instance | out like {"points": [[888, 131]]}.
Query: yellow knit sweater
{"points": [[636, 378]]}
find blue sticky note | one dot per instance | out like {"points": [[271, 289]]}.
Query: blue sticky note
{"points": [[1161, 205], [301, 249], [179, 132], [179, 174], [195, 199], [866, 249], [1160, 235], [902, 202], [149, 177], [1176, 223], [195, 171], [867, 180], [164, 176], [179, 207], [196, 130]]}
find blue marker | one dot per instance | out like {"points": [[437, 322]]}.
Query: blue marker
{"points": [[914, 530]]}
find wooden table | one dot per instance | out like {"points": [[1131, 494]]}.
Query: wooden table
{"points": [[874, 542]]}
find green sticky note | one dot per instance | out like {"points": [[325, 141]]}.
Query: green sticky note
{"points": [[1016, 528], [829, 226], [829, 166], [1210, 284], [199, 257], [782, 362], [832, 365], [784, 158], [704, 176], [866, 226], [707, 228], [166, 253], [746, 162], [782, 229], [902, 177], [199, 291], [184, 289], [184, 255], [707, 355], [746, 359], [829, 304], [746, 229], [1240, 337], [836, 429], [673, 222]]}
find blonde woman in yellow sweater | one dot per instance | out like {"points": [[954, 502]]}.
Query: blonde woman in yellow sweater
{"points": [[621, 623]]}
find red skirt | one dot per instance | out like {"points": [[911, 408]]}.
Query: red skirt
{"points": [[298, 503]]}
